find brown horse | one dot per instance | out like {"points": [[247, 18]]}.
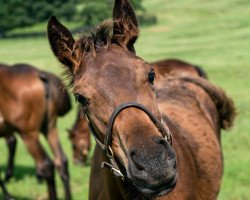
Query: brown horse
{"points": [[159, 143], [30, 102], [173, 66], [80, 134]]}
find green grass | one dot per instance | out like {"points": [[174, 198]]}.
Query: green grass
{"points": [[214, 34]]}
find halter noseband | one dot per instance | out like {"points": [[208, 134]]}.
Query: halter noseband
{"points": [[106, 146]]}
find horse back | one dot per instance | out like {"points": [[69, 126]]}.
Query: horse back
{"points": [[22, 97], [174, 66]]}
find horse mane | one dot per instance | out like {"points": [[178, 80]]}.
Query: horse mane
{"points": [[89, 42], [97, 37], [224, 104], [3, 65]]}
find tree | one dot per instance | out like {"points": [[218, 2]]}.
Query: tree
{"points": [[95, 11], [19, 13]]}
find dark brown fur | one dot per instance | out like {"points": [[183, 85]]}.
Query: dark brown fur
{"points": [[28, 105], [110, 74]]}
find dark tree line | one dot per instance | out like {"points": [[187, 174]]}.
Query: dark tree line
{"points": [[95, 11], [23, 13]]}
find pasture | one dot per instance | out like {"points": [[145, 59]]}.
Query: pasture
{"points": [[212, 34]]}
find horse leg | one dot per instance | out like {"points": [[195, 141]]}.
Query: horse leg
{"points": [[60, 160], [7, 196], [11, 143], [44, 166]]}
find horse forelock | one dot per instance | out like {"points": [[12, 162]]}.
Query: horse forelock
{"points": [[98, 37], [89, 42]]}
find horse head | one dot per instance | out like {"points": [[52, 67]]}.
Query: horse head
{"points": [[80, 139], [107, 76]]}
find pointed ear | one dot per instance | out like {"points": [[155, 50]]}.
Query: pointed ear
{"points": [[126, 29], [61, 42]]}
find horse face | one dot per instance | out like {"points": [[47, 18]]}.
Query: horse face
{"points": [[79, 136], [147, 157], [80, 146], [106, 73]]}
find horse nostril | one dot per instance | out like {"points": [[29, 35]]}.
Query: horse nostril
{"points": [[175, 165], [162, 142], [132, 154], [169, 152], [137, 165]]}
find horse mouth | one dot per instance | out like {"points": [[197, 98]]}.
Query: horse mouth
{"points": [[158, 190]]}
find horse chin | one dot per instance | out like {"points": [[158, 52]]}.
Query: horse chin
{"points": [[158, 190]]}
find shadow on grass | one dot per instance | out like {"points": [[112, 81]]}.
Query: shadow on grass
{"points": [[20, 172], [16, 198]]}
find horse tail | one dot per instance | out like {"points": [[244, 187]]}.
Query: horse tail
{"points": [[223, 103], [45, 81], [64, 103], [59, 93]]}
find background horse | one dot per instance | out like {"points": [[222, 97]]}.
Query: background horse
{"points": [[79, 134], [30, 102], [148, 137]]}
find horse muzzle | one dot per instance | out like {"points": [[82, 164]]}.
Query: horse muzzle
{"points": [[153, 169]]}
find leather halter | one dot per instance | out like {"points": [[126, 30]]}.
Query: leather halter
{"points": [[106, 146]]}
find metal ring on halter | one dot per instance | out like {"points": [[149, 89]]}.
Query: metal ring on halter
{"points": [[109, 152]]}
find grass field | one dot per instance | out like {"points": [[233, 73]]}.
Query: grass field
{"points": [[214, 34]]}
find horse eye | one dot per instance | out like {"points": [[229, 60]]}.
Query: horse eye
{"points": [[81, 99], [151, 76]]}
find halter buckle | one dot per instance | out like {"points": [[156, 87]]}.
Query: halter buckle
{"points": [[109, 152], [115, 171]]}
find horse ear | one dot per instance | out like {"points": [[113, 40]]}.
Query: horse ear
{"points": [[61, 42], [125, 30]]}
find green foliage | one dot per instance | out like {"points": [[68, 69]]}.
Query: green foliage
{"points": [[18, 13], [95, 11]]}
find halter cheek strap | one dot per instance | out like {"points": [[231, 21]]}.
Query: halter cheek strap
{"points": [[106, 146]]}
